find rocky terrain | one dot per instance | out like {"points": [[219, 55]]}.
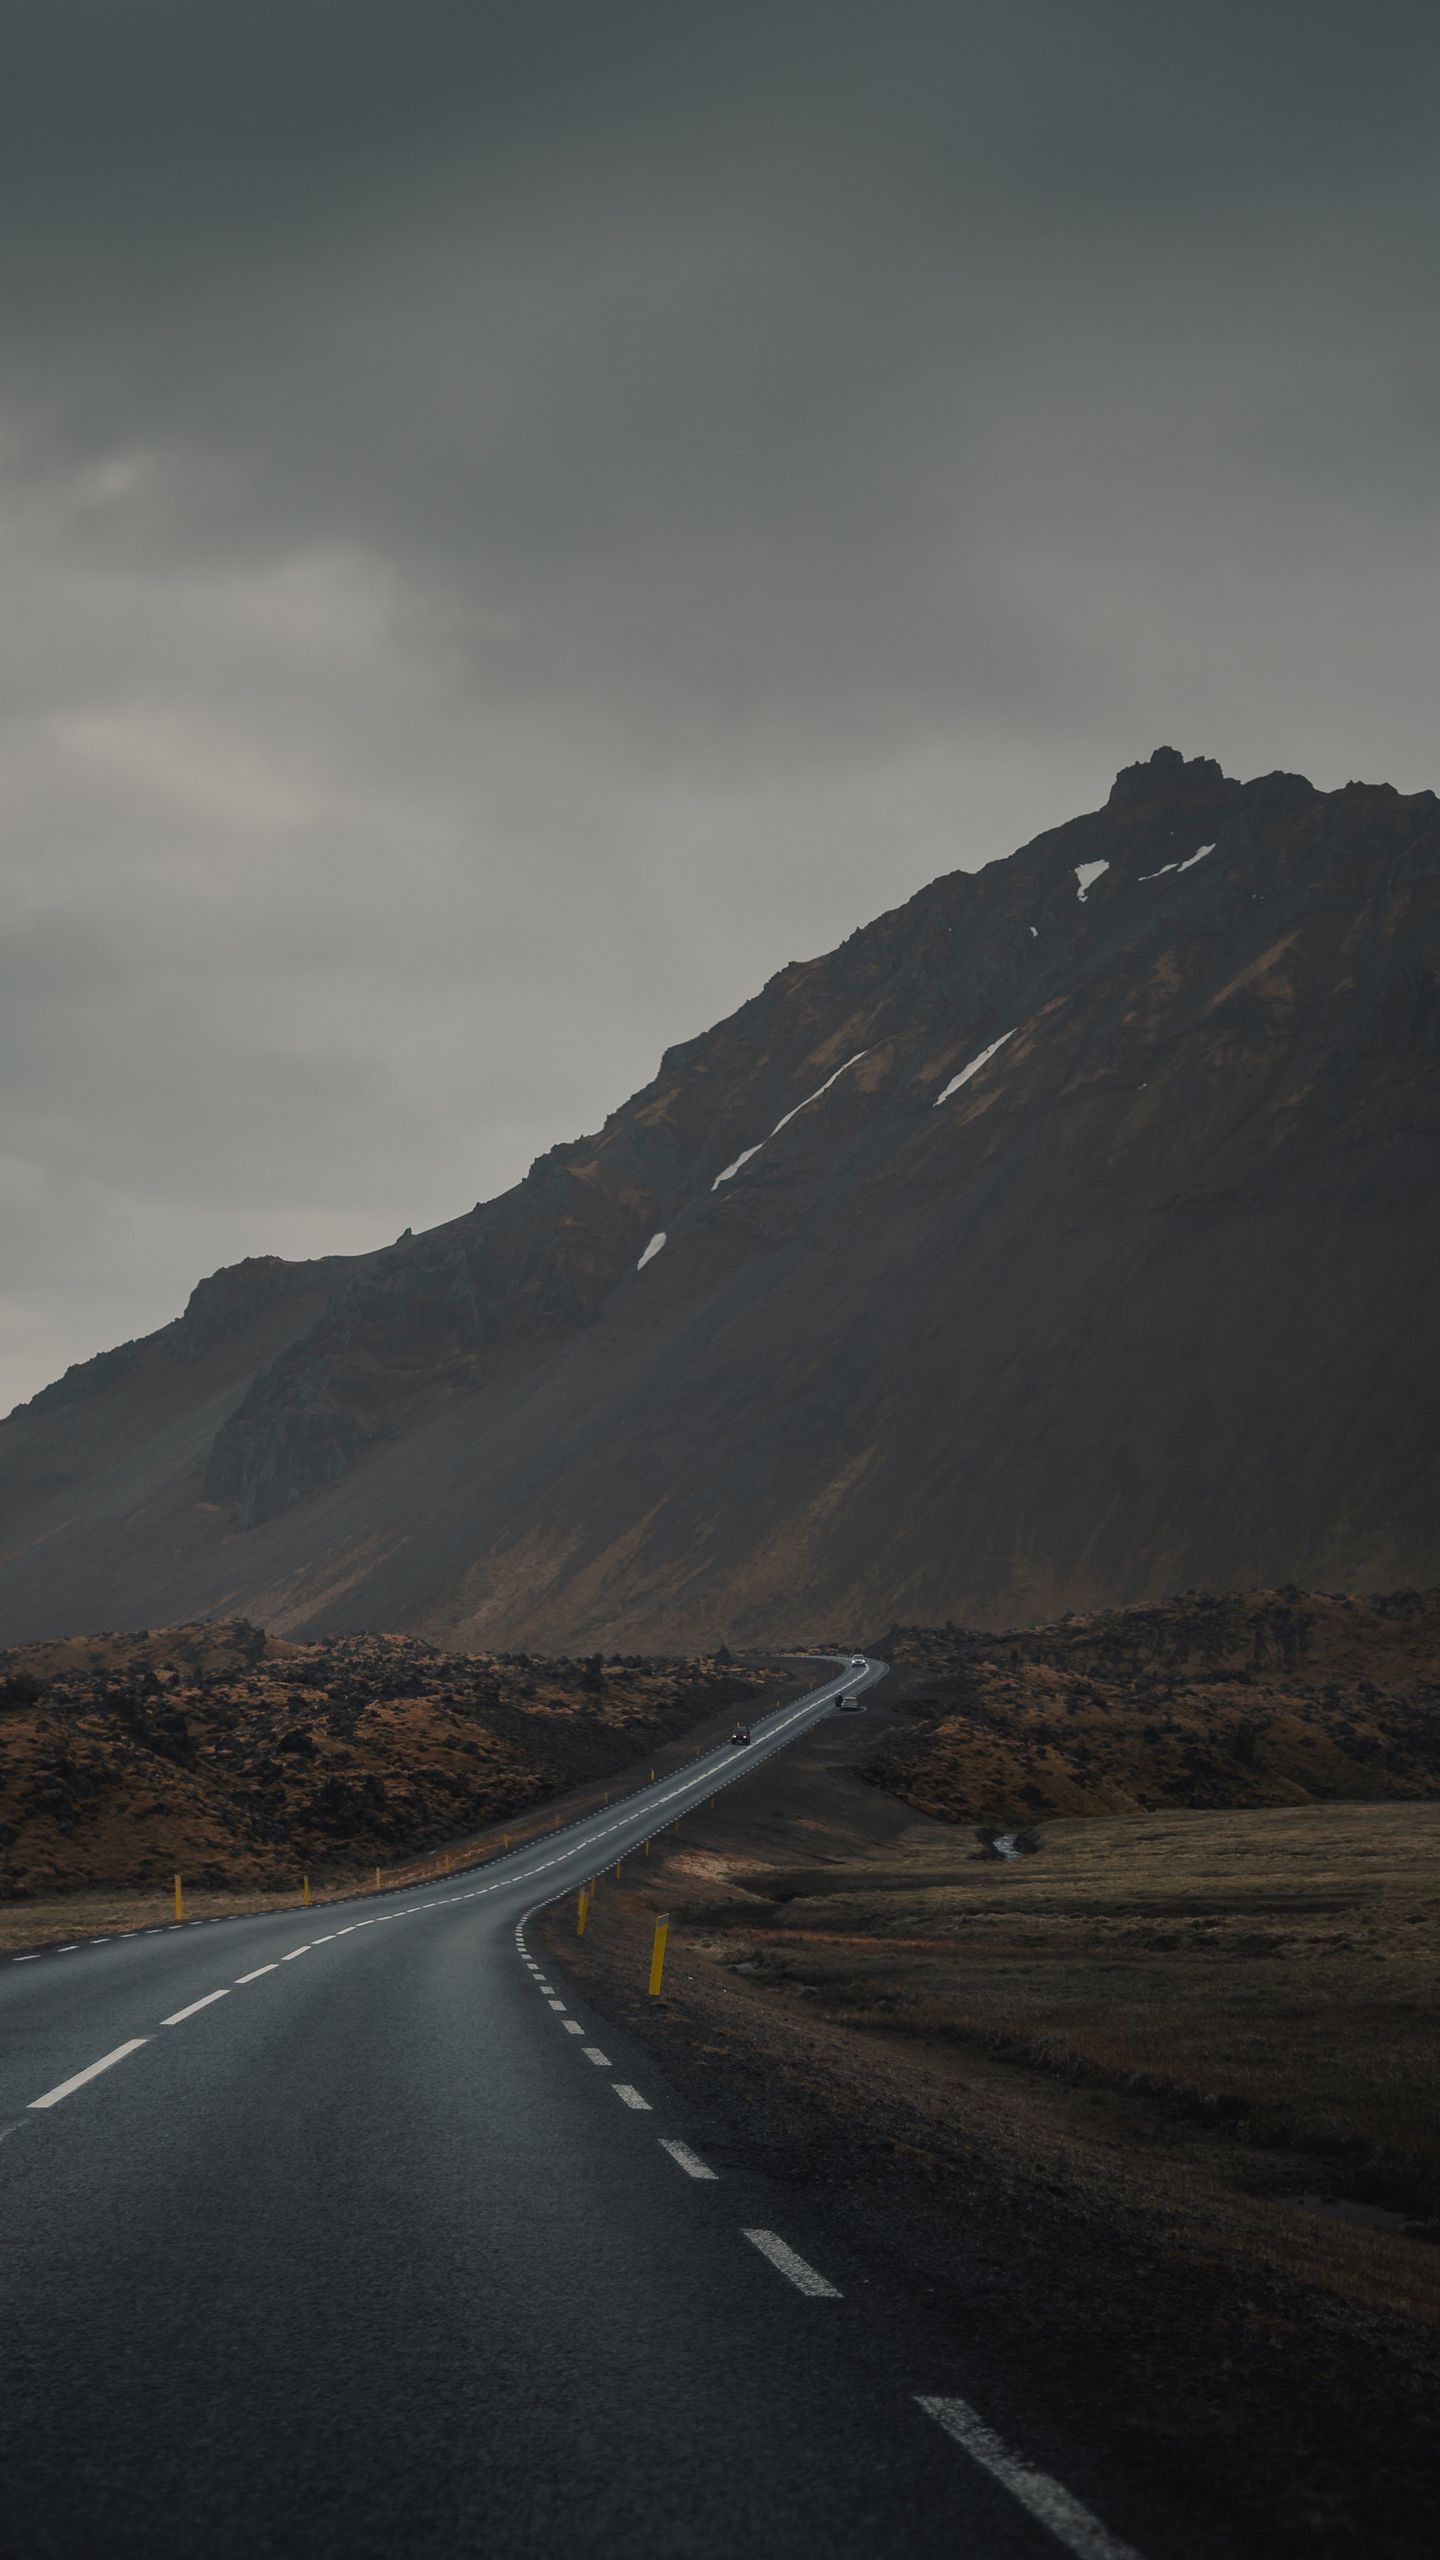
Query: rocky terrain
{"points": [[240, 1759], [1065, 1238], [1218, 1699]]}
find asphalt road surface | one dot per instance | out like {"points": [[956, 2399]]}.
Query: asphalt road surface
{"points": [[346, 2233]]}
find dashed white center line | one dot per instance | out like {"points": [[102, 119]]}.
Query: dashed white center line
{"points": [[554, 2004], [27, 1959], [631, 2097], [72, 1950], [296, 1951], [182, 2014], [690, 2161], [324, 1942], [572, 2027], [803, 2276], [259, 1969], [593, 2053], [1042, 2497], [93, 2070]]}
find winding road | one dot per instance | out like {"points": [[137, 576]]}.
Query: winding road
{"points": [[348, 2232]]}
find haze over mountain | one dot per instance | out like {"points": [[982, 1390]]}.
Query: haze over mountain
{"points": [[1065, 1238]]}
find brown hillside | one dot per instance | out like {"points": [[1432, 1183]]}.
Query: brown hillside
{"points": [[1214, 1700], [237, 1758]]}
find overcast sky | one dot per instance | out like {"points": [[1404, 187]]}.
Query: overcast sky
{"points": [[516, 521]]}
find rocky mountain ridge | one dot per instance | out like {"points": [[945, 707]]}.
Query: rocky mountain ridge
{"points": [[1063, 1237]]}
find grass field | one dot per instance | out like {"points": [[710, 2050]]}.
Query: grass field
{"points": [[1228, 2022], [1270, 1975]]}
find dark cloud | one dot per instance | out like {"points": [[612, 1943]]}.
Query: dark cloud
{"points": [[517, 520]]}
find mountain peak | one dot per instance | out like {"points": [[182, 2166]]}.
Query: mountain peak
{"points": [[1063, 1239], [1161, 772]]}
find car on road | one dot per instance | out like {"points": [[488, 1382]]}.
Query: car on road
{"points": [[741, 1733]]}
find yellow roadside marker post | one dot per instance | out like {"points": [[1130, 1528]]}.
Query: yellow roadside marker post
{"points": [[305, 1881], [657, 1954], [617, 1870], [179, 1899], [582, 1912]]}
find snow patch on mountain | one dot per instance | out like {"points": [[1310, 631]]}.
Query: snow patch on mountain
{"points": [[1187, 865], [974, 1067], [1087, 873], [655, 1245], [784, 1122]]}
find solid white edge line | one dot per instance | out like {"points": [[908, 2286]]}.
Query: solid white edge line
{"points": [[804, 2277], [53, 2097], [181, 2015], [1042, 2497], [631, 2097], [690, 2161]]}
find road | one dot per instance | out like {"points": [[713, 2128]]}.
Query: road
{"points": [[350, 2233]]}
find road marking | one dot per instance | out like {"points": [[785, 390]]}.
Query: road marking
{"points": [[1042, 2497], [572, 2027], [593, 2053], [182, 2014], [72, 1950], [690, 2161], [255, 1976], [781, 2255], [631, 2097], [27, 1959], [7, 2129], [53, 2097], [296, 1951], [324, 1942], [554, 2004]]}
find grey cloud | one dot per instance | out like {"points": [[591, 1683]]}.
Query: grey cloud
{"points": [[518, 520]]}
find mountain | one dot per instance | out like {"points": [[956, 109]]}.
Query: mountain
{"points": [[1065, 1239]]}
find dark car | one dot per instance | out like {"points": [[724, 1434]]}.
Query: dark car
{"points": [[741, 1733]]}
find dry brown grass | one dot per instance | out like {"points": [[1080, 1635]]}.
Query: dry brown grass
{"points": [[1201, 2017], [1270, 1973]]}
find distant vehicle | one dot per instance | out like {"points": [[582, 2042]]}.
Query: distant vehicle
{"points": [[741, 1733], [851, 1707]]}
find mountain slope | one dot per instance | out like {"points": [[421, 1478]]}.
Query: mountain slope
{"points": [[1066, 1237]]}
